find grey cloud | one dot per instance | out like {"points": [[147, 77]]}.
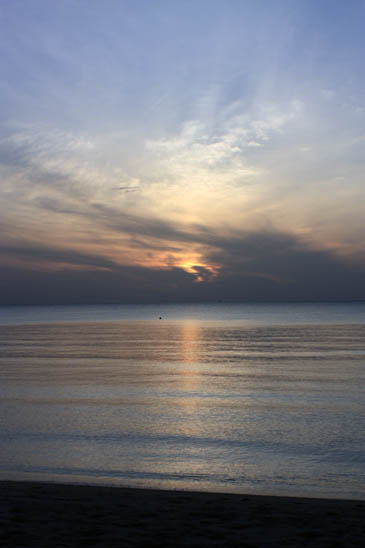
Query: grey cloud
{"points": [[14, 155], [142, 226], [144, 232], [56, 206], [27, 156], [279, 266], [143, 244], [60, 193], [124, 284], [43, 254], [260, 266]]}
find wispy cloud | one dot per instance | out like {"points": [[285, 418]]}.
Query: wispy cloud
{"points": [[236, 154]]}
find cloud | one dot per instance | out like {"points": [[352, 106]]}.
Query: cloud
{"points": [[256, 266], [124, 284], [215, 152], [280, 266], [43, 257], [244, 150], [248, 167]]}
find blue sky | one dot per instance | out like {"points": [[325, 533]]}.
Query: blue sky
{"points": [[158, 140]]}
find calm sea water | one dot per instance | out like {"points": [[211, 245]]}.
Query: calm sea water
{"points": [[265, 398]]}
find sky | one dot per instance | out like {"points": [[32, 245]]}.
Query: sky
{"points": [[168, 151]]}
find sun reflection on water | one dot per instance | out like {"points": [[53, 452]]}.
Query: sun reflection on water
{"points": [[191, 372]]}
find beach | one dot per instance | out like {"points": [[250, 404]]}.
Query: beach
{"points": [[187, 424], [47, 514]]}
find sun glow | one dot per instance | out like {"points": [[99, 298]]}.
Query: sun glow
{"points": [[190, 266], [201, 271]]}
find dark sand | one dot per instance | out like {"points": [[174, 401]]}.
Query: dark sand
{"points": [[51, 515]]}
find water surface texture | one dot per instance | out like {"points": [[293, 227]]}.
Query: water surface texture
{"points": [[204, 399]]}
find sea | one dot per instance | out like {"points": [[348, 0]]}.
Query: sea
{"points": [[249, 398]]}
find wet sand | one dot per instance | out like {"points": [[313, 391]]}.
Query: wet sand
{"points": [[53, 515]]}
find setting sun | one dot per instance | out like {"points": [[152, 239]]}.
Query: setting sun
{"points": [[201, 271]]}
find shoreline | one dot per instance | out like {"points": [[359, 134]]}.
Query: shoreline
{"points": [[40, 514]]}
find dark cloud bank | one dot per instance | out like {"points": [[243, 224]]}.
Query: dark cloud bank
{"points": [[259, 266]]}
